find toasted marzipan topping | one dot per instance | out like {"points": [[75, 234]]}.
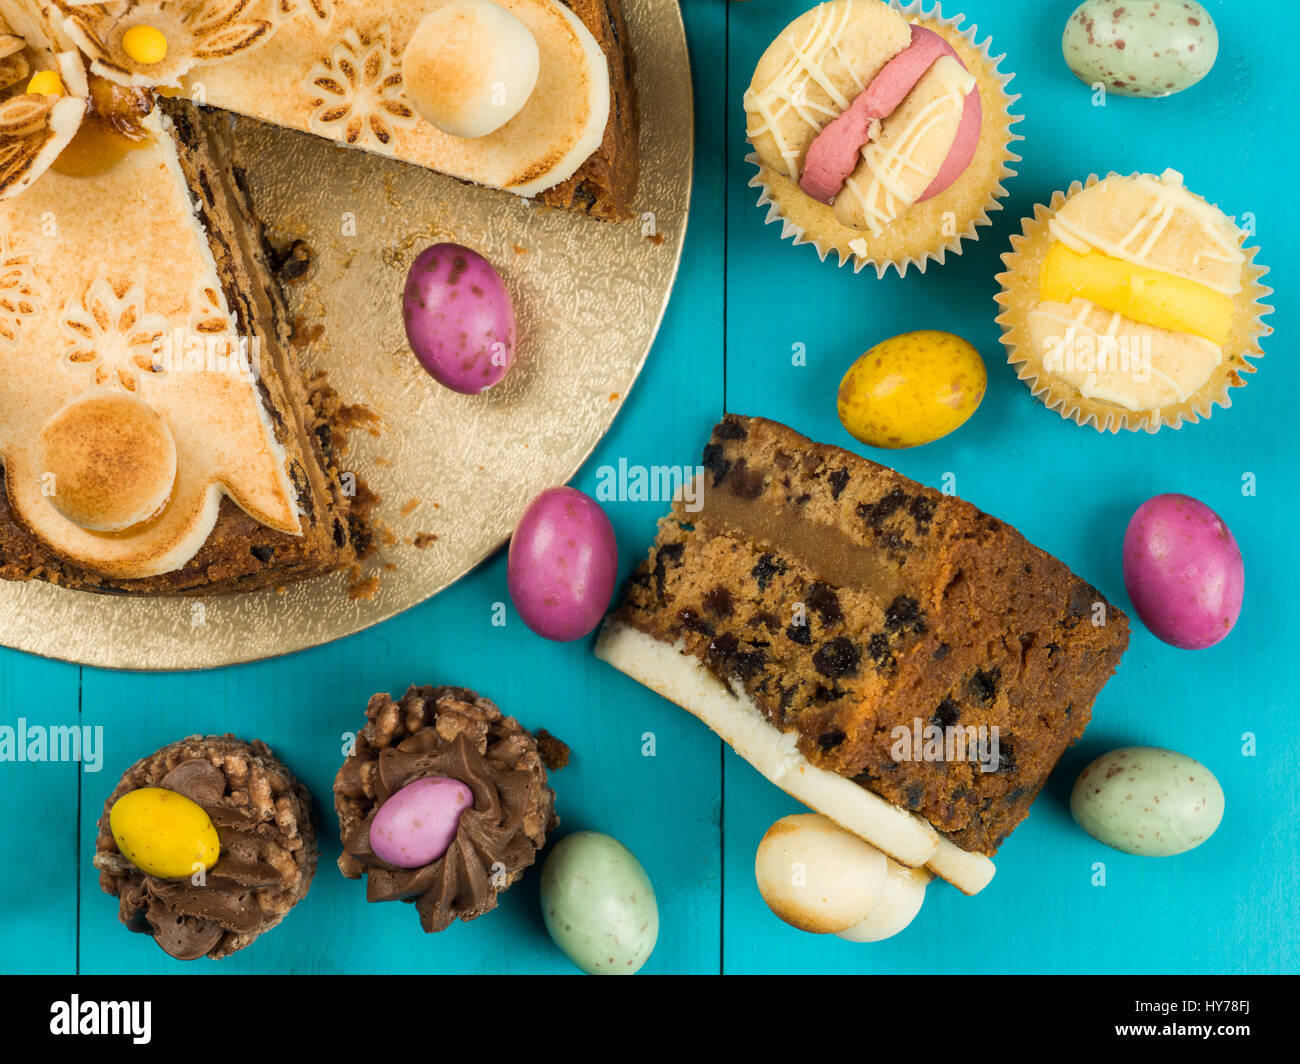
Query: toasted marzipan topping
{"points": [[112, 459], [206, 31], [34, 128], [102, 291], [335, 70]]}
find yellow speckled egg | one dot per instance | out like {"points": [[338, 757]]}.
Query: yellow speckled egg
{"points": [[163, 833], [912, 389]]}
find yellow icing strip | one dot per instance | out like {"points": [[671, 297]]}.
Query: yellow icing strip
{"points": [[1140, 294]]}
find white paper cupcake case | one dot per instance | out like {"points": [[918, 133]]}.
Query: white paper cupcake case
{"points": [[795, 233]]}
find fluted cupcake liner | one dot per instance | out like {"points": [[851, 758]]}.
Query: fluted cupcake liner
{"points": [[1019, 293], [805, 221]]}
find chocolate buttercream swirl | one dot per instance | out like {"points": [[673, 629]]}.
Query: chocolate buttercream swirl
{"points": [[268, 848], [450, 732]]}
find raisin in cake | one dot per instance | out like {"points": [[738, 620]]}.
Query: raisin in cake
{"points": [[818, 601]]}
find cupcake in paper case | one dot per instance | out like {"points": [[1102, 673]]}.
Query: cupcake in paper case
{"points": [[444, 802], [881, 132], [207, 844], [1132, 303]]}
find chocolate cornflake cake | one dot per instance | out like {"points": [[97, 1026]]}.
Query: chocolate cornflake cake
{"points": [[448, 733], [262, 816], [836, 601]]}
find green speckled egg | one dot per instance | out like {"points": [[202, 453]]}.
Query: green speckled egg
{"points": [[1141, 47], [1147, 801], [599, 905]]}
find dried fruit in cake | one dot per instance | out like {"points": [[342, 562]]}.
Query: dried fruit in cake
{"points": [[532, 96], [878, 135], [860, 606], [1132, 303], [208, 843], [420, 842]]}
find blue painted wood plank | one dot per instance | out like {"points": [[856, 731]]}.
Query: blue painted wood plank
{"points": [[665, 807], [1071, 491]]}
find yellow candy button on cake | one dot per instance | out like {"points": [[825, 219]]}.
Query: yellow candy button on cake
{"points": [[163, 833], [1132, 303], [45, 83], [145, 44]]}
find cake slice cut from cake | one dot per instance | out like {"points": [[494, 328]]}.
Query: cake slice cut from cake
{"points": [[890, 656], [155, 433], [359, 73]]}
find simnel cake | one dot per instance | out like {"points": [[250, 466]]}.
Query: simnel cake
{"points": [[817, 603], [156, 432]]}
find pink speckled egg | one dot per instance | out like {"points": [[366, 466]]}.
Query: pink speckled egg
{"points": [[417, 823], [563, 564], [1184, 571]]}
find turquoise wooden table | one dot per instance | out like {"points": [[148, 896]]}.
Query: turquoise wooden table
{"points": [[694, 812]]}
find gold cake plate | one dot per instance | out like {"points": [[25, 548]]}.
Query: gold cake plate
{"points": [[588, 296]]}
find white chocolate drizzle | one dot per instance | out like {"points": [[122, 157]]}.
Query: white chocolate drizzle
{"points": [[787, 91], [888, 158], [1076, 325]]}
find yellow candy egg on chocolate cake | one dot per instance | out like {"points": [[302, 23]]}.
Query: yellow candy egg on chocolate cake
{"points": [[1132, 303]]}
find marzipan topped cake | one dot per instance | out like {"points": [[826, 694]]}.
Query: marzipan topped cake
{"points": [[818, 601], [156, 433], [531, 96]]}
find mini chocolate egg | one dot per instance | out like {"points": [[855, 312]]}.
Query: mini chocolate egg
{"points": [[1147, 801], [417, 823], [163, 833], [1141, 47], [562, 565], [1184, 571], [599, 905], [459, 318], [816, 876], [911, 390]]}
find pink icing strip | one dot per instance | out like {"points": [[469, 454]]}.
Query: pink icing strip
{"points": [[835, 152]]}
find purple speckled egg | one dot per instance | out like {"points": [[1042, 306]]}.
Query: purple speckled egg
{"points": [[563, 564], [1184, 572], [417, 823], [459, 319]]}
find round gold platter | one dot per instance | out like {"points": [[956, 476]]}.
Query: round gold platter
{"points": [[588, 295]]}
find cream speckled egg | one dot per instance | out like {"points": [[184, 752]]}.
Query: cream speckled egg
{"points": [[598, 904], [1147, 801], [1141, 47]]}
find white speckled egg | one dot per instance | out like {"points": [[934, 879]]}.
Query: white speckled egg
{"points": [[1141, 47], [1147, 801]]}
